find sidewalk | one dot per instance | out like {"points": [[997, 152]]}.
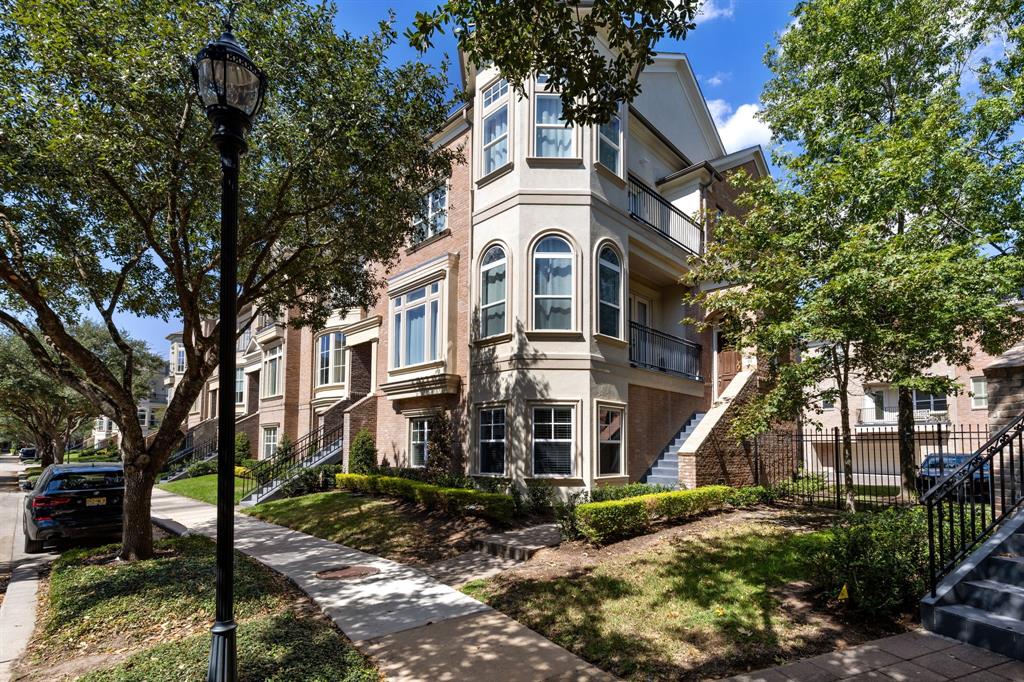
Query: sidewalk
{"points": [[415, 627]]}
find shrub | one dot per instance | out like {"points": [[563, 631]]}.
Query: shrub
{"points": [[540, 497], [440, 448], [493, 506], [318, 479], [602, 522], [242, 449], [881, 558], [250, 463], [241, 472], [202, 468], [803, 486], [362, 455], [748, 497], [681, 504], [492, 484], [618, 492], [565, 514]]}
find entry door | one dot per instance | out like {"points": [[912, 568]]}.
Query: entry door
{"points": [[730, 361]]}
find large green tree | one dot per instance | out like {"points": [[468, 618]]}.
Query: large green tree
{"points": [[889, 243]]}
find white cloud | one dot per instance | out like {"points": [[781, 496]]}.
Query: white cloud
{"points": [[717, 78], [710, 10], [739, 128]]}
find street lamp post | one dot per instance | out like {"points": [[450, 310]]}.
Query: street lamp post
{"points": [[231, 89]]}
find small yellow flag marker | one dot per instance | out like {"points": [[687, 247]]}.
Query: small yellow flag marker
{"points": [[844, 594]]}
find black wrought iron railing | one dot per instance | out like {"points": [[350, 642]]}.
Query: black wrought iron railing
{"points": [[653, 210], [966, 505], [653, 349], [187, 456], [290, 459]]}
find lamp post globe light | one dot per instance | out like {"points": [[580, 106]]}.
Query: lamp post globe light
{"points": [[231, 89]]}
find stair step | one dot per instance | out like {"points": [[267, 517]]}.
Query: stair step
{"points": [[995, 632], [663, 480], [1004, 569], [669, 472], [1003, 599]]}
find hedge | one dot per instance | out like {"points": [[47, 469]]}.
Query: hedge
{"points": [[602, 522], [494, 506]]}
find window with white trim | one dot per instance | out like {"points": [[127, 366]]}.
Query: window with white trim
{"points": [[330, 367], [419, 436], [553, 441], [609, 439], [244, 338], [495, 126], [979, 393], [553, 138], [931, 402], [180, 361], [492, 440], [492, 292], [416, 326], [609, 144], [552, 284], [609, 293], [436, 212], [272, 359], [143, 417], [239, 386], [269, 441]]}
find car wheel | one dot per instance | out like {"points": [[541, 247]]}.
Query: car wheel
{"points": [[33, 546]]}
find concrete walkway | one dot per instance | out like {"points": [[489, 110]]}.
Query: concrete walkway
{"points": [[919, 655], [415, 627]]}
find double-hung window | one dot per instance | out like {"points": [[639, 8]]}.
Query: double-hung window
{"points": [[979, 393], [609, 293], [495, 126], [239, 386], [435, 211], [416, 326], [552, 441], [552, 284], [180, 360], [609, 144], [269, 441], [419, 436], [492, 440], [609, 439], [930, 402], [243, 339], [552, 137], [331, 359], [492, 292], [143, 418], [272, 372]]}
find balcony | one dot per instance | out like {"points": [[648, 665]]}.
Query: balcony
{"points": [[651, 209], [889, 416], [652, 349]]}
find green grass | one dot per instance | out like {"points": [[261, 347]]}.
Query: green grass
{"points": [[161, 609], [375, 525], [692, 608], [203, 488]]}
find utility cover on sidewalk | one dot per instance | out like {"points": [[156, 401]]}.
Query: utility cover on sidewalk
{"points": [[347, 572]]}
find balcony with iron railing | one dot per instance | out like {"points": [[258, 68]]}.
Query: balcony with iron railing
{"points": [[650, 208], [889, 416], [653, 349]]}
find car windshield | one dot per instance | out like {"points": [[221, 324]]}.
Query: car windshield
{"points": [[948, 461], [86, 480]]}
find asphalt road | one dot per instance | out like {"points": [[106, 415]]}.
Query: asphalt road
{"points": [[12, 542]]}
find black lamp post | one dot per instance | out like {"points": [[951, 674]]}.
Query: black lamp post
{"points": [[231, 88]]}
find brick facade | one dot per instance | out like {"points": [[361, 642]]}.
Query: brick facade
{"points": [[1005, 388], [653, 418]]}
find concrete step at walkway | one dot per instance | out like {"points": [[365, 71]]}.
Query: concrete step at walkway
{"points": [[415, 627], [520, 544], [469, 566]]}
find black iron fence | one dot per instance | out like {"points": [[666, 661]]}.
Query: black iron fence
{"points": [[653, 349], [653, 210], [290, 459], [807, 465]]}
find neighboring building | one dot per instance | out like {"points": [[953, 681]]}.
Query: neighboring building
{"points": [[150, 413], [539, 306]]}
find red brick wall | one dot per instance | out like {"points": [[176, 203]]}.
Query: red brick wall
{"points": [[654, 417]]}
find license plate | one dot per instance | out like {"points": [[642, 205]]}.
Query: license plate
{"points": [[95, 501]]}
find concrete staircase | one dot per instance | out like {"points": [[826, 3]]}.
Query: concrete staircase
{"points": [[982, 601], [330, 453], [665, 470]]}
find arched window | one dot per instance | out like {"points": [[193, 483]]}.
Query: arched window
{"points": [[552, 284], [609, 292], [492, 292]]}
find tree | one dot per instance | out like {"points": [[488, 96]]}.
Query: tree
{"points": [[557, 38], [110, 188], [362, 456], [878, 247]]}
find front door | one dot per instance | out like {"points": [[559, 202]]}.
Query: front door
{"points": [[730, 361]]}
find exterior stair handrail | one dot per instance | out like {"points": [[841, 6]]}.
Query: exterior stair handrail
{"points": [[288, 461]]}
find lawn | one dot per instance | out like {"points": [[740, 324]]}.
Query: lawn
{"points": [[203, 488], [149, 620], [707, 604], [385, 527]]}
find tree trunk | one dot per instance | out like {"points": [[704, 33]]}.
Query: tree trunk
{"points": [[905, 427], [44, 447], [139, 477], [847, 434], [59, 446]]}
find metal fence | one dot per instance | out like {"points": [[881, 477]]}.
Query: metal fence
{"points": [[806, 465]]}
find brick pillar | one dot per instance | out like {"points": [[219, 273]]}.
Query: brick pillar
{"points": [[1005, 379]]}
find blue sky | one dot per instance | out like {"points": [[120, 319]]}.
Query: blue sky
{"points": [[726, 52]]}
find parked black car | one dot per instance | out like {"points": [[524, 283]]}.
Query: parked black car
{"points": [[939, 466], [27, 454], [74, 501]]}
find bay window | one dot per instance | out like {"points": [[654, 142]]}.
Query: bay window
{"points": [[272, 372], [609, 144], [552, 137], [552, 441], [492, 292], [495, 126], [416, 326], [552, 284], [331, 359], [609, 439], [609, 293], [492, 440]]}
